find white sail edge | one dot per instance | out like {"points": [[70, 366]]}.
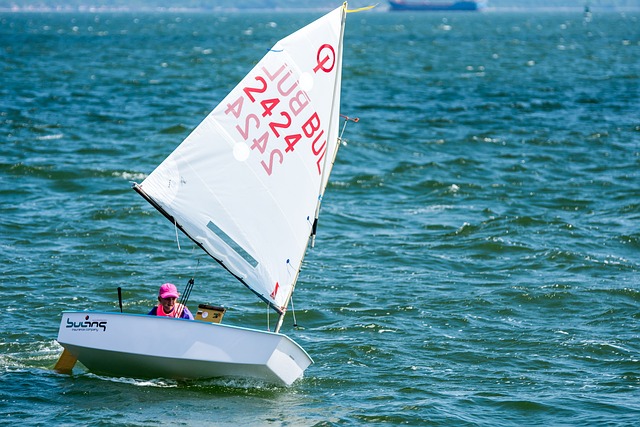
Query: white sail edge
{"points": [[329, 157]]}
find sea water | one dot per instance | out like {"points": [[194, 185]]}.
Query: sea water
{"points": [[478, 251]]}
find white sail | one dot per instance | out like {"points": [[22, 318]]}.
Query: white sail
{"points": [[246, 183]]}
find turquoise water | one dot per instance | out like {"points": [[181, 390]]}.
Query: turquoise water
{"points": [[478, 250]]}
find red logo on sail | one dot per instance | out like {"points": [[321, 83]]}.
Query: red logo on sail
{"points": [[275, 291], [326, 53]]}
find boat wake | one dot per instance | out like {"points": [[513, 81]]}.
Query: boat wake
{"points": [[211, 385], [156, 382]]}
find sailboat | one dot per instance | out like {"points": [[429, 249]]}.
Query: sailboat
{"points": [[430, 6], [246, 187]]}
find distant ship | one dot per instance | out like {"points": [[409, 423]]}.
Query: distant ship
{"points": [[435, 6]]}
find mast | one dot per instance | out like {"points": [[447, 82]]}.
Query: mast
{"points": [[323, 178]]}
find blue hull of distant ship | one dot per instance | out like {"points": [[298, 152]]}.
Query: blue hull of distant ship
{"points": [[429, 6]]}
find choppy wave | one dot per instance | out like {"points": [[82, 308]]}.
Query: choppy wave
{"points": [[477, 253]]}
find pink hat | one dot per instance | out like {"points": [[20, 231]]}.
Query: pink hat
{"points": [[168, 290]]}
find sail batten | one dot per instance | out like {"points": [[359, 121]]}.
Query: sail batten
{"points": [[246, 184]]}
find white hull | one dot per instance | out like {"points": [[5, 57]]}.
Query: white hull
{"points": [[144, 346]]}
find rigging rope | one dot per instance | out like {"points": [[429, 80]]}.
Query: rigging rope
{"points": [[293, 313], [175, 225], [314, 226], [268, 324]]}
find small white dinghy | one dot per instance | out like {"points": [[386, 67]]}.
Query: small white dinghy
{"points": [[246, 187], [141, 346]]}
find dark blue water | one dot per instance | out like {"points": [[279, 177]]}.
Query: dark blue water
{"points": [[478, 252]]}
